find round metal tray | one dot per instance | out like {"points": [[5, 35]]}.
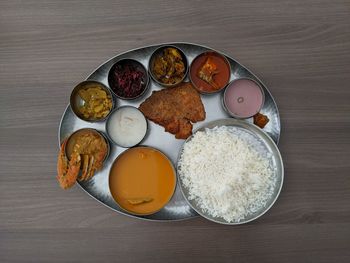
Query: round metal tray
{"points": [[177, 208]]}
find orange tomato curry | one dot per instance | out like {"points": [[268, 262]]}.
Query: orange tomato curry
{"points": [[142, 180], [215, 72]]}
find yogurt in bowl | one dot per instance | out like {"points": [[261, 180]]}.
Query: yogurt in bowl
{"points": [[126, 126]]}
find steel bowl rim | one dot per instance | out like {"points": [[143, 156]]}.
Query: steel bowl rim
{"points": [[163, 46], [129, 213], [100, 133], [227, 63], [231, 83], [243, 123], [79, 86], [144, 69], [107, 122]]}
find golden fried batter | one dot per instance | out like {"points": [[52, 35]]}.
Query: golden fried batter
{"points": [[261, 120], [175, 109]]}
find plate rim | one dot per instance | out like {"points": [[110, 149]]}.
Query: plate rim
{"points": [[175, 165]]}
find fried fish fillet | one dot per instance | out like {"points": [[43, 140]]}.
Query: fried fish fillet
{"points": [[174, 109]]}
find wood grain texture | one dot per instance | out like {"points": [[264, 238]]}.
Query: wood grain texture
{"points": [[301, 51]]}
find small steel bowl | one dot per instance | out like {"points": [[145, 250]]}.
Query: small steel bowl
{"points": [[99, 133], [76, 101], [224, 103], [108, 123], [157, 52], [214, 53], [123, 62], [170, 197]]}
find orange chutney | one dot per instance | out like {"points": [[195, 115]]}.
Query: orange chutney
{"points": [[142, 180], [220, 78]]}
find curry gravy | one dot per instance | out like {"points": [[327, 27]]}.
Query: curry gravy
{"points": [[142, 180]]}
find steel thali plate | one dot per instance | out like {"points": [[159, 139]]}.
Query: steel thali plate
{"points": [[177, 208]]}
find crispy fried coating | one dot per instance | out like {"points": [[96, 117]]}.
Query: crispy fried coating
{"points": [[261, 120], [174, 109]]}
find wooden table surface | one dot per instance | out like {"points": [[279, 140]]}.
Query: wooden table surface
{"points": [[301, 51]]}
